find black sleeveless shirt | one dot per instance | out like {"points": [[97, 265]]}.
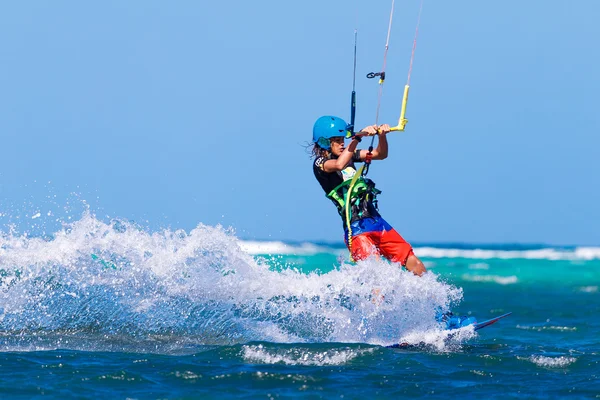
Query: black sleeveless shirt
{"points": [[330, 180]]}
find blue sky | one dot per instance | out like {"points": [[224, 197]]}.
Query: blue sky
{"points": [[187, 112]]}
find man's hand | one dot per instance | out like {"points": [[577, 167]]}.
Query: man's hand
{"points": [[384, 129], [374, 130], [368, 131]]}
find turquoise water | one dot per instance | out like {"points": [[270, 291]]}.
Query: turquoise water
{"points": [[201, 314]]}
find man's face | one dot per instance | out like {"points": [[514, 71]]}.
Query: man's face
{"points": [[337, 145]]}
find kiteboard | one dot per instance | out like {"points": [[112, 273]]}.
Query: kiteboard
{"points": [[454, 322], [463, 322], [480, 325]]}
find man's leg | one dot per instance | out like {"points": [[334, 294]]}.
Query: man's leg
{"points": [[396, 249], [362, 247]]}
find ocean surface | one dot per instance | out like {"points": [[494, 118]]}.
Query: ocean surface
{"points": [[110, 310]]}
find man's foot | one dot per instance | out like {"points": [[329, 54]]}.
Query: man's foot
{"points": [[452, 321], [376, 296]]}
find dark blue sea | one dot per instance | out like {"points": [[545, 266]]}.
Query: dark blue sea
{"points": [[110, 310]]}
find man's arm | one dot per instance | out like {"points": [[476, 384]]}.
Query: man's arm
{"points": [[381, 152]]}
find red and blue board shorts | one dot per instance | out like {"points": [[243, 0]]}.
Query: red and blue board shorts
{"points": [[374, 236]]}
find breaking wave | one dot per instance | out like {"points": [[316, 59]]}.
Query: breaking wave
{"points": [[546, 253]]}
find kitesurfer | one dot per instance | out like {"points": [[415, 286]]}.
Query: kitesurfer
{"points": [[367, 233]]}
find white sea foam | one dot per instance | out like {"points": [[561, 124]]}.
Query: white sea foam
{"points": [[273, 248], [440, 340], [547, 328], [502, 280], [301, 356], [552, 362], [579, 253], [479, 266]]}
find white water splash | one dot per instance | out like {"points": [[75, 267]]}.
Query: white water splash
{"points": [[118, 280]]}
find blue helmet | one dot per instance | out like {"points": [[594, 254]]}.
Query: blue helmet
{"points": [[327, 127]]}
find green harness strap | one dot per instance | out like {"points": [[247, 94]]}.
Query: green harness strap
{"points": [[348, 207]]}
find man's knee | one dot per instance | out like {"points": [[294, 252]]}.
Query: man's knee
{"points": [[414, 265]]}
